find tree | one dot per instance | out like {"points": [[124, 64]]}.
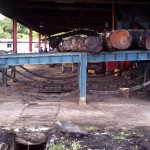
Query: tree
{"points": [[6, 30]]}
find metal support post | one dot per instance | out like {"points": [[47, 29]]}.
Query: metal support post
{"points": [[4, 77], [15, 34], [30, 40], [79, 74], [83, 73], [13, 74], [141, 71], [39, 43]]}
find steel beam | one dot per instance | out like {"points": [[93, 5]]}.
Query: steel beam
{"points": [[15, 34], [30, 40], [39, 42], [43, 58], [4, 77], [82, 83], [119, 56], [52, 58], [45, 43]]}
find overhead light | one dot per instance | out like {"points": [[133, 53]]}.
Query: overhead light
{"points": [[41, 24], [63, 1]]}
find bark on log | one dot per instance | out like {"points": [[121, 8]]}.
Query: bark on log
{"points": [[107, 46], [141, 39], [93, 43], [86, 44], [121, 39], [77, 43]]}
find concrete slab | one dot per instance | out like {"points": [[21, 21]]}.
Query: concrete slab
{"points": [[40, 114], [9, 112], [121, 114]]}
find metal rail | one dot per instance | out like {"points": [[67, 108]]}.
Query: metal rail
{"points": [[72, 57]]}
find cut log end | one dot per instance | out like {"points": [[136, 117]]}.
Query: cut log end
{"points": [[121, 39]]}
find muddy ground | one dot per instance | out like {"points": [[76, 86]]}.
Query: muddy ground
{"points": [[111, 121], [101, 138]]}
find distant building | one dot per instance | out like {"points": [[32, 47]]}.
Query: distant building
{"points": [[22, 45]]}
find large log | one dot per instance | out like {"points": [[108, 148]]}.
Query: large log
{"points": [[141, 39], [121, 39], [107, 46], [66, 45], [86, 44], [77, 43], [93, 43]]}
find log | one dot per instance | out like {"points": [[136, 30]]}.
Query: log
{"points": [[107, 46], [77, 43], [121, 39], [141, 39], [93, 43], [86, 44]]}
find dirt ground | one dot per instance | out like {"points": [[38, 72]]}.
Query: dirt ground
{"points": [[111, 121]]}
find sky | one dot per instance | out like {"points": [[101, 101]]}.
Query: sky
{"points": [[1, 17]]}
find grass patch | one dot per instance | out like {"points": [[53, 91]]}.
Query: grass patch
{"points": [[90, 128], [59, 146], [75, 145]]}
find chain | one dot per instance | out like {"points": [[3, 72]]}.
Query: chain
{"points": [[75, 91], [45, 77], [137, 87]]}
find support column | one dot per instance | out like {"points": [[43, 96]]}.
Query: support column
{"points": [[4, 77], [13, 74], [30, 40], [15, 34], [113, 14], [45, 42], [39, 42], [83, 73], [141, 70]]}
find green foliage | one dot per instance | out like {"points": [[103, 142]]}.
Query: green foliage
{"points": [[90, 128], [35, 35], [75, 145], [59, 146], [6, 30], [122, 136]]}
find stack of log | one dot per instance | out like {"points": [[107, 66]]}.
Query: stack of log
{"points": [[114, 40]]}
